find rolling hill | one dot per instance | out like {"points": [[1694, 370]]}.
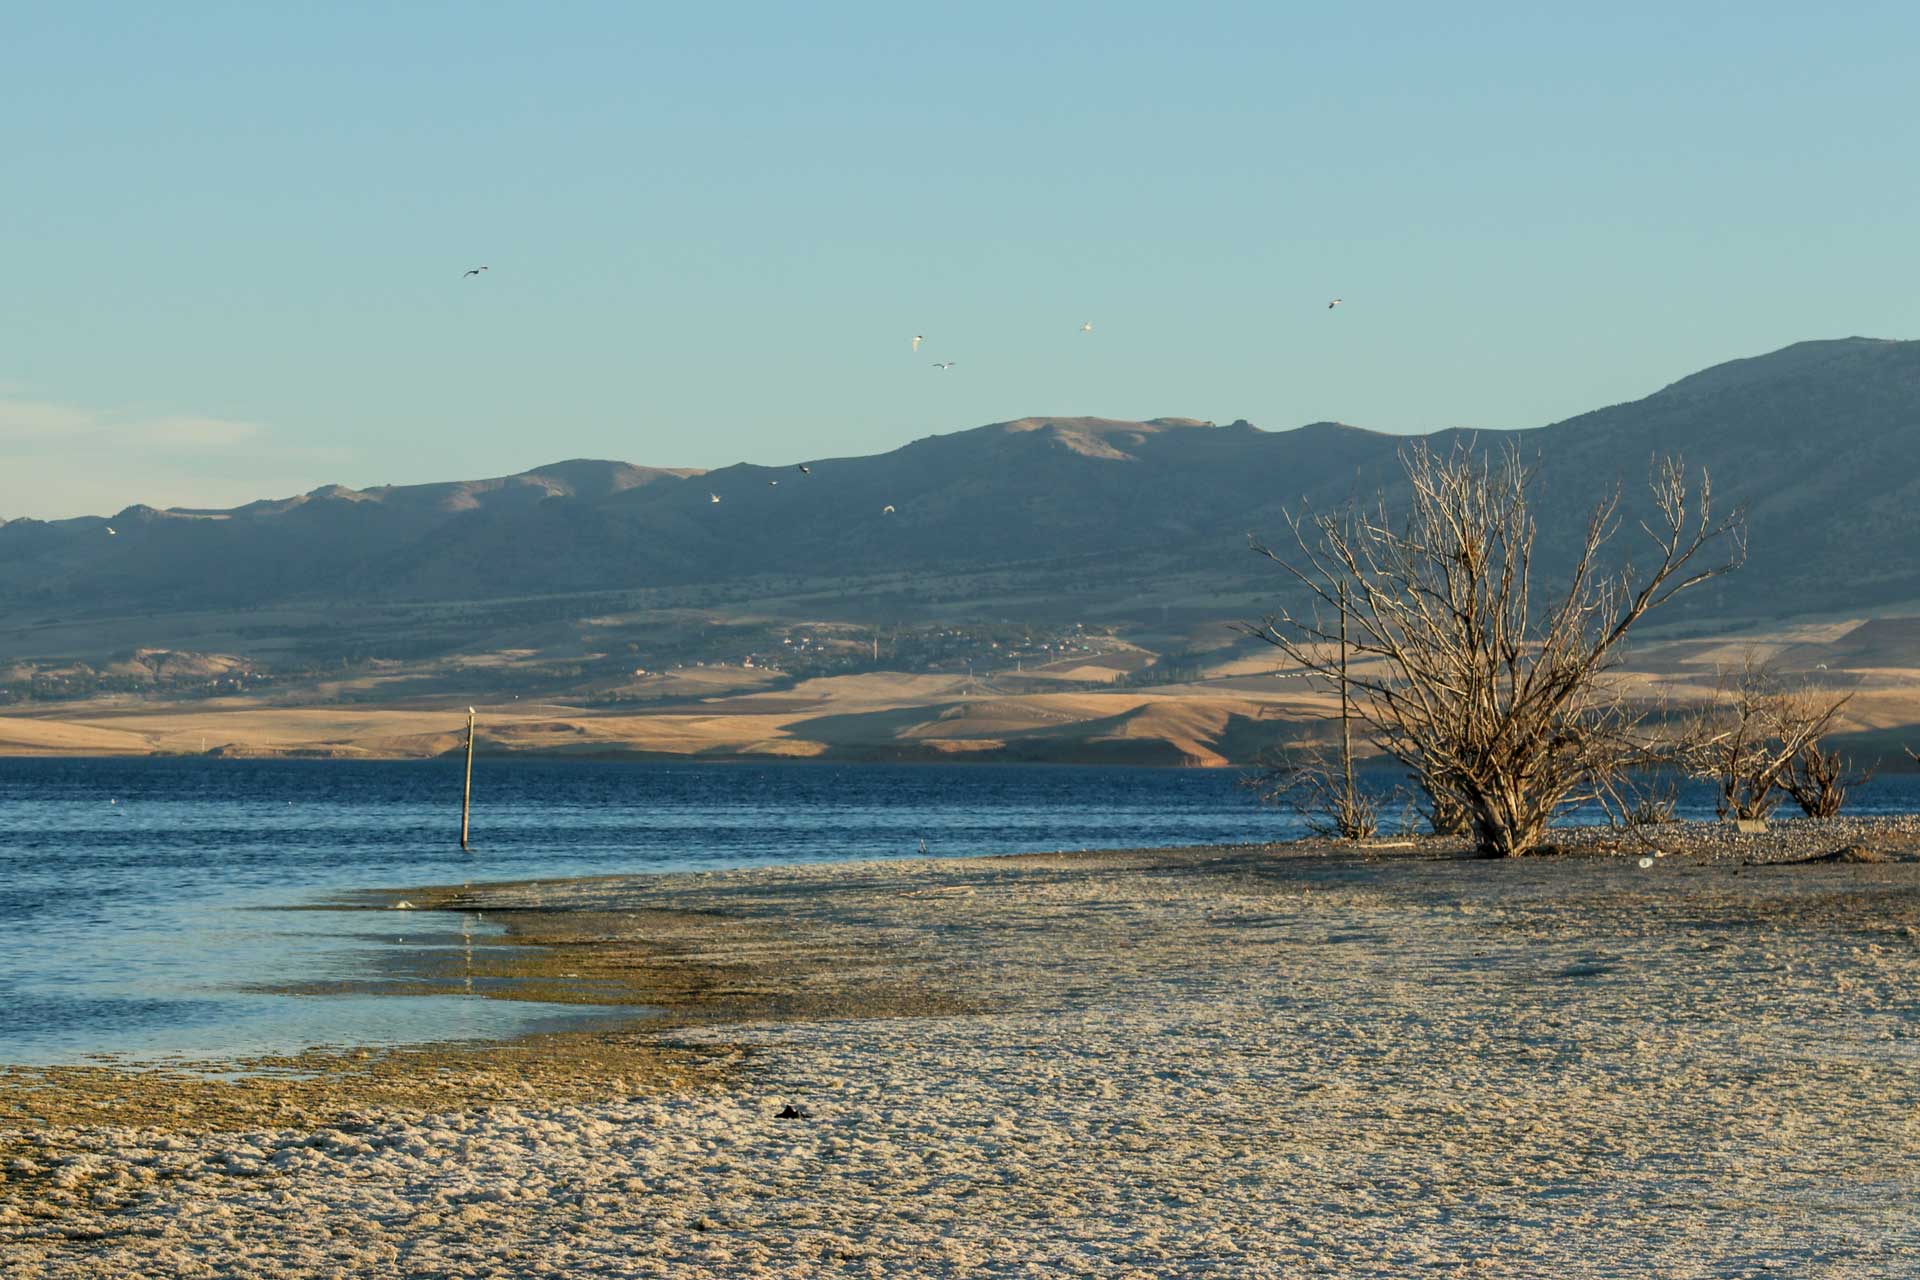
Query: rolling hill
{"points": [[1048, 513]]}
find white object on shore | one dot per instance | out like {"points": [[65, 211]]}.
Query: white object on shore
{"points": [[1645, 863], [404, 905]]}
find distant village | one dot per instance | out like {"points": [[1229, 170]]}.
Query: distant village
{"points": [[597, 668], [836, 649]]}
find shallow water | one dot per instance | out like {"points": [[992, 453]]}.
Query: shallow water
{"points": [[130, 888]]}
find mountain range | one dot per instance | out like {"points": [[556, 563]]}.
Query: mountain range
{"points": [[1819, 440]]}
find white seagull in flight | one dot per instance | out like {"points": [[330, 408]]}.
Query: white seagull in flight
{"points": [[471, 271], [713, 497], [887, 510], [1087, 327], [805, 470], [1336, 302], [112, 532], [943, 364], [918, 338]]}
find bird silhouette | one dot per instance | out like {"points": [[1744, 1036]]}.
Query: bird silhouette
{"points": [[1336, 302], [887, 510], [805, 470], [713, 497], [1087, 327], [918, 338], [472, 271], [943, 365]]}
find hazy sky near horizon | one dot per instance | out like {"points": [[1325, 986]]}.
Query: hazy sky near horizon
{"points": [[233, 234]]}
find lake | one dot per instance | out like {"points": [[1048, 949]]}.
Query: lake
{"points": [[134, 893]]}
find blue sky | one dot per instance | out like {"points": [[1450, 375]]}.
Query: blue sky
{"points": [[233, 235]]}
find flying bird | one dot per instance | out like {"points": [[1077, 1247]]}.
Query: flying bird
{"points": [[1336, 302], [112, 532], [713, 497], [471, 271], [887, 510], [1087, 327], [943, 364], [773, 484], [805, 470], [918, 338]]}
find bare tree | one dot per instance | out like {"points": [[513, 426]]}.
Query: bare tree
{"points": [[1463, 676], [1755, 735]]}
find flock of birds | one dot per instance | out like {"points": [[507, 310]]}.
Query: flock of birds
{"points": [[918, 338]]}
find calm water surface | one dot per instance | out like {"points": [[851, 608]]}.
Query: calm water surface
{"points": [[131, 890]]}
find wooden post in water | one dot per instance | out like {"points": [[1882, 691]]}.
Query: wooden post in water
{"points": [[466, 799]]}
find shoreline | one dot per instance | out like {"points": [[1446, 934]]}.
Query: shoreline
{"points": [[1889, 764], [1281, 1056]]}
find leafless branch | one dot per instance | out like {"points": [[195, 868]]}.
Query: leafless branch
{"points": [[1454, 670]]}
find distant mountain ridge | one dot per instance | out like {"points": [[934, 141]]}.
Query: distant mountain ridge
{"points": [[1820, 438]]}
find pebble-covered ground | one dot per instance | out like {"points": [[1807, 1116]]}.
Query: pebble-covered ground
{"points": [[1229, 1062]]}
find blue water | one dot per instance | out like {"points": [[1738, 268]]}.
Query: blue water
{"points": [[130, 889]]}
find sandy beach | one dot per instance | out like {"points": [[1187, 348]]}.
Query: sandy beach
{"points": [[1261, 1061]]}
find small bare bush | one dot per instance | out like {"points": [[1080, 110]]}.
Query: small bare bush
{"points": [[1819, 781], [1759, 743], [1306, 781], [1652, 810]]}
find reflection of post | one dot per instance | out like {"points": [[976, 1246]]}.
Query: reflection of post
{"points": [[466, 800]]}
